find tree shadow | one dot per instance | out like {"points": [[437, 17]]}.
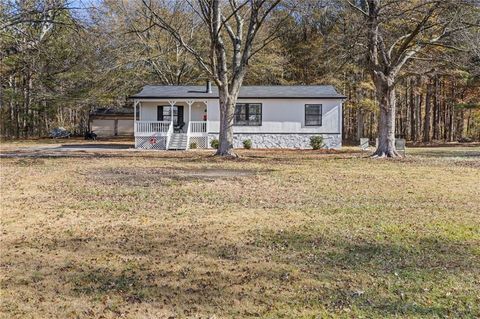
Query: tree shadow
{"points": [[410, 275], [183, 270], [448, 153], [191, 270]]}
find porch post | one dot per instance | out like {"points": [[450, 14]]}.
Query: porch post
{"points": [[206, 124], [172, 104], [189, 111], [135, 111], [206, 107], [135, 121]]}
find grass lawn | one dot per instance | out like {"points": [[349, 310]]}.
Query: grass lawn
{"points": [[273, 234]]}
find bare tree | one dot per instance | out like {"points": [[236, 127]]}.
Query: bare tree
{"points": [[225, 61], [396, 33]]}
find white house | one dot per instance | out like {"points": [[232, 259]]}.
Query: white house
{"points": [[269, 116]]}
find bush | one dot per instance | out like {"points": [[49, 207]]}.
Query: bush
{"points": [[247, 144], [193, 145], [214, 143], [316, 142]]}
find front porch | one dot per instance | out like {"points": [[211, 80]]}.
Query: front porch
{"points": [[170, 125]]}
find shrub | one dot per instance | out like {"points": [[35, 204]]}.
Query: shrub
{"points": [[193, 145], [316, 142], [247, 144], [214, 143]]}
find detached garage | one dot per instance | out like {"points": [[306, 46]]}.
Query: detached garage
{"points": [[107, 122]]}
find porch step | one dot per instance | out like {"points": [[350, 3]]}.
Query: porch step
{"points": [[178, 141]]}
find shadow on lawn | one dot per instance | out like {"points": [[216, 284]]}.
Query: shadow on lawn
{"points": [[404, 272], [448, 153], [191, 270], [382, 256]]}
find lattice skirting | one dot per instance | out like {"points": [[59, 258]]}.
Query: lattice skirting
{"points": [[151, 142], [201, 141]]}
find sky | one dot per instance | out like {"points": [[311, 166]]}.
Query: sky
{"points": [[83, 3], [80, 7]]}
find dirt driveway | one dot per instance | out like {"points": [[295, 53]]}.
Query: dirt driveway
{"points": [[53, 150]]}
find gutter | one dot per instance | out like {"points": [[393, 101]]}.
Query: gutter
{"points": [[242, 97]]}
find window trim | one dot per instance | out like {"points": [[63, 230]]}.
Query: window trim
{"points": [[161, 111], [247, 114], [305, 115]]}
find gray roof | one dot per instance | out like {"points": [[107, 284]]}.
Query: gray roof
{"points": [[112, 111], [264, 92]]}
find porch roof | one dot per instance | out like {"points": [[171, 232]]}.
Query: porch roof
{"points": [[246, 92]]}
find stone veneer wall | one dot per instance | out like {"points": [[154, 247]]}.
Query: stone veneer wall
{"points": [[291, 140]]}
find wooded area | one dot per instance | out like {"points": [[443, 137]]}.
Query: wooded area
{"points": [[61, 59]]}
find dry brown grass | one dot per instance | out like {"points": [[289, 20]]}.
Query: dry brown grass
{"points": [[271, 234]]}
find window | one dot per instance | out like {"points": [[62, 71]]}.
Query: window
{"points": [[313, 115], [164, 113], [247, 114]]}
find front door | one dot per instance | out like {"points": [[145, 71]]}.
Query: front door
{"points": [[164, 114]]}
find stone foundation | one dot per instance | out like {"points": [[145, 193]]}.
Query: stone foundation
{"points": [[300, 141]]}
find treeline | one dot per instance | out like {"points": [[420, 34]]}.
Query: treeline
{"points": [[45, 78], [58, 62], [429, 108]]}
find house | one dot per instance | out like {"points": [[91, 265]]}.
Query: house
{"points": [[179, 117], [109, 122]]}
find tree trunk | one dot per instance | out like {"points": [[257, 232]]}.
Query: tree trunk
{"points": [[227, 108], [436, 111], [426, 126], [419, 114], [386, 125], [452, 113], [468, 122], [372, 120], [451, 123], [413, 131], [445, 109]]}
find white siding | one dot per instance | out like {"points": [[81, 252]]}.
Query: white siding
{"points": [[148, 110], [198, 111], [285, 116], [278, 115]]}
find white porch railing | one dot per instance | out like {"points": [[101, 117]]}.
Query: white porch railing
{"points": [[153, 134], [152, 127], [196, 127], [158, 134]]}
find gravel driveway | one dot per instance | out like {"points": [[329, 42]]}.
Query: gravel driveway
{"points": [[65, 149]]}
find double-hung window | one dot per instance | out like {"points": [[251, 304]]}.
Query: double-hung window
{"points": [[313, 115], [164, 113], [248, 114]]}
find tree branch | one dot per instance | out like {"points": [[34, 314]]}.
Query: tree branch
{"points": [[167, 27]]}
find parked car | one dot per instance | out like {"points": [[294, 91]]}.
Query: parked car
{"points": [[60, 132]]}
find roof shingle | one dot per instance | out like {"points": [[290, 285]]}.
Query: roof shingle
{"points": [[267, 92]]}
